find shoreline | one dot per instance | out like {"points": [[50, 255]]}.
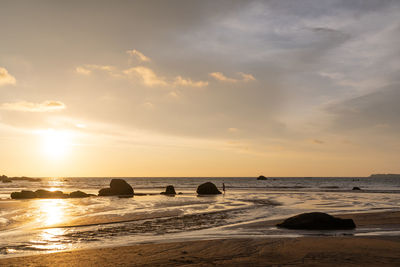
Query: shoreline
{"points": [[308, 250]]}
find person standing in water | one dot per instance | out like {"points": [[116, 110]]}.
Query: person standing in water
{"points": [[223, 187]]}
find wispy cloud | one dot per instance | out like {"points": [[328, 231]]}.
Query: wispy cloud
{"points": [[83, 70], [88, 68], [6, 78], [247, 77], [221, 77], [233, 130], [147, 76], [138, 55], [25, 106], [188, 82], [317, 141]]}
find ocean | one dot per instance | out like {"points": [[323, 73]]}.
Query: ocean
{"points": [[50, 225]]}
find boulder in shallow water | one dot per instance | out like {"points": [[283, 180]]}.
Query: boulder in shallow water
{"points": [[317, 221], [105, 192], [24, 194], [78, 194], [208, 189], [262, 177], [356, 188], [117, 187], [169, 190], [41, 193]]}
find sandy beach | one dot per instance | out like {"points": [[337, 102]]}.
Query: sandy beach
{"points": [[308, 251]]}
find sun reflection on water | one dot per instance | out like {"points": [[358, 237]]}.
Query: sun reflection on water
{"points": [[51, 211]]}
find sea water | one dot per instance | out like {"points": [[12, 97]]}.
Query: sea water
{"points": [[49, 225]]}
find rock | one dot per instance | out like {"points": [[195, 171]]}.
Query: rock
{"points": [[207, 189], [105, 192], [356, 188], [117, 187], [262, 177], [41, 193], [169, 190], [24, 178], [49, 194], [317, 221], [5, 179], [78, 194], [24, 194]]}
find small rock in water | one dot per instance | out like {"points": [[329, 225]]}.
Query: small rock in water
{"points": [[356, 188], [317, 221], [208, 189], [169, 190], [262, 177]]}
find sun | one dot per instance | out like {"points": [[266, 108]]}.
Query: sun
{"points": [[56, 143]]}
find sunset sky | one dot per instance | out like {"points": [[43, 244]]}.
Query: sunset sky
{"points": [[199, 88]]}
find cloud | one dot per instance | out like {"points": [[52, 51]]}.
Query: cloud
{"points": [[233, 130], [6, 78], [138, 55], [221, 77], [372, 110], [25, 106], [147, 76], [188, 82], [83, 70], [317, 141], [148, 105], [88, 68], [247, 77], [173, 94]]}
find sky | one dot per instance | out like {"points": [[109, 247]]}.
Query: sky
{"points": [[199, 88]]}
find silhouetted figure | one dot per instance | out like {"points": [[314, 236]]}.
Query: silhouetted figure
{"points": [[223, 187]]}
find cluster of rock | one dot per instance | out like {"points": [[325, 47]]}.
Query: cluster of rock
{"points": [[317, 221], [41, 193], [118, 187]]}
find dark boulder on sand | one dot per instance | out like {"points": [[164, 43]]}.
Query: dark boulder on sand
{"points": [[24, 194], [208, 189], [169, 190], [117, 187], [356, 188], [262, 177], [317, 221]]}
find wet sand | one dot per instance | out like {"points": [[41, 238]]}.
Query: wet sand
{"points": [[308, 251]]}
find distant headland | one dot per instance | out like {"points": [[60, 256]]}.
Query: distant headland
{"points": [[6, 179], [385, 175]]}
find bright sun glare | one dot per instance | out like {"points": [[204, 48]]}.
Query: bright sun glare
{"points": [[56, 144]]}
